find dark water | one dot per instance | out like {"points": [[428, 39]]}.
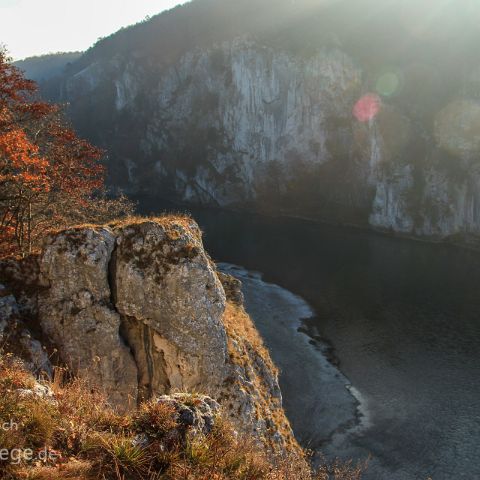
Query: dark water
{"points": [[404, 319]]}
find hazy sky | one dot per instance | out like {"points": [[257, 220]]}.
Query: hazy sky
{"points": [[35, 27]]}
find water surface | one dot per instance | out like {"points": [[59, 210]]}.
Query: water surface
{"points": [[404, 320]]}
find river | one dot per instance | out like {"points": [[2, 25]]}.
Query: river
{"points": [[400, 321]]}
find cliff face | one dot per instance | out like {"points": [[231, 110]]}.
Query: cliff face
{"points": [[234, 125], [138, 310], [266, 106]]}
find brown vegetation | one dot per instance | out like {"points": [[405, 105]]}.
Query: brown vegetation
{"points": [[85, 439]]}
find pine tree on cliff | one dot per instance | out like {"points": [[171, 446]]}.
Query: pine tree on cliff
{"points": [[49, 178]]}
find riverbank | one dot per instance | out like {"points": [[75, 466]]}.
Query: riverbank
{"points": [[317, 397], [336, 419]]}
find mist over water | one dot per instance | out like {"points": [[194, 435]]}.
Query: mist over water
{"points": [[404, 320]]}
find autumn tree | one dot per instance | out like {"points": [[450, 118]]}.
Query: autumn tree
{"points": [[49, 178]]}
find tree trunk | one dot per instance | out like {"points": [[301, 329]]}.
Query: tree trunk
{"points": [[29, 227]]}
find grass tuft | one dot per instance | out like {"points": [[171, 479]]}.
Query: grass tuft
{"points": [[87, 440]]}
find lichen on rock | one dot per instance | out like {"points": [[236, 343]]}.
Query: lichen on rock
{"points": [[75, 310], [171, 301], [138, 309]]}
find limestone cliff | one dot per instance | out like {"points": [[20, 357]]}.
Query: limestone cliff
{"points": [[254, 105], [139, 310], [254, 108]]}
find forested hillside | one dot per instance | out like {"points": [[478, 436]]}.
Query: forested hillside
{"points": [[44, 67]]}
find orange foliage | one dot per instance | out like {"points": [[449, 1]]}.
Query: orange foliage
{"points": [[47, 174]]}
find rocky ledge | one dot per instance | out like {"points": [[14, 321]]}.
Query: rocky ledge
{"points": [[138, 309]]}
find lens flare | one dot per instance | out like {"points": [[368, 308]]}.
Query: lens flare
{"points": [[367, 107], [388, 84]]}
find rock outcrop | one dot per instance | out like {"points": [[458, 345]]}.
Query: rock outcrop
{"points": [[138, 309], [171, 303], [194, 416], [76, 313], [16, 337]]}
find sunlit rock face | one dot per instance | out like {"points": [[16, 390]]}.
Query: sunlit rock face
{"points": [[138, 310], [379, 135], [75, 311]]}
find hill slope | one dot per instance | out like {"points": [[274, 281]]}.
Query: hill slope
{"points": [[45, 67]]}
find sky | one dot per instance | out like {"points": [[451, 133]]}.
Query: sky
{"points": [[36, 27]]}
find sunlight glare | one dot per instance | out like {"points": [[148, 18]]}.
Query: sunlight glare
{"points": [[367, 107]]}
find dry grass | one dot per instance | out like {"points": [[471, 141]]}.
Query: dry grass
{"points": [[166, 219], [174, 224], [170, 221], [87, 440], [240, 326]]}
